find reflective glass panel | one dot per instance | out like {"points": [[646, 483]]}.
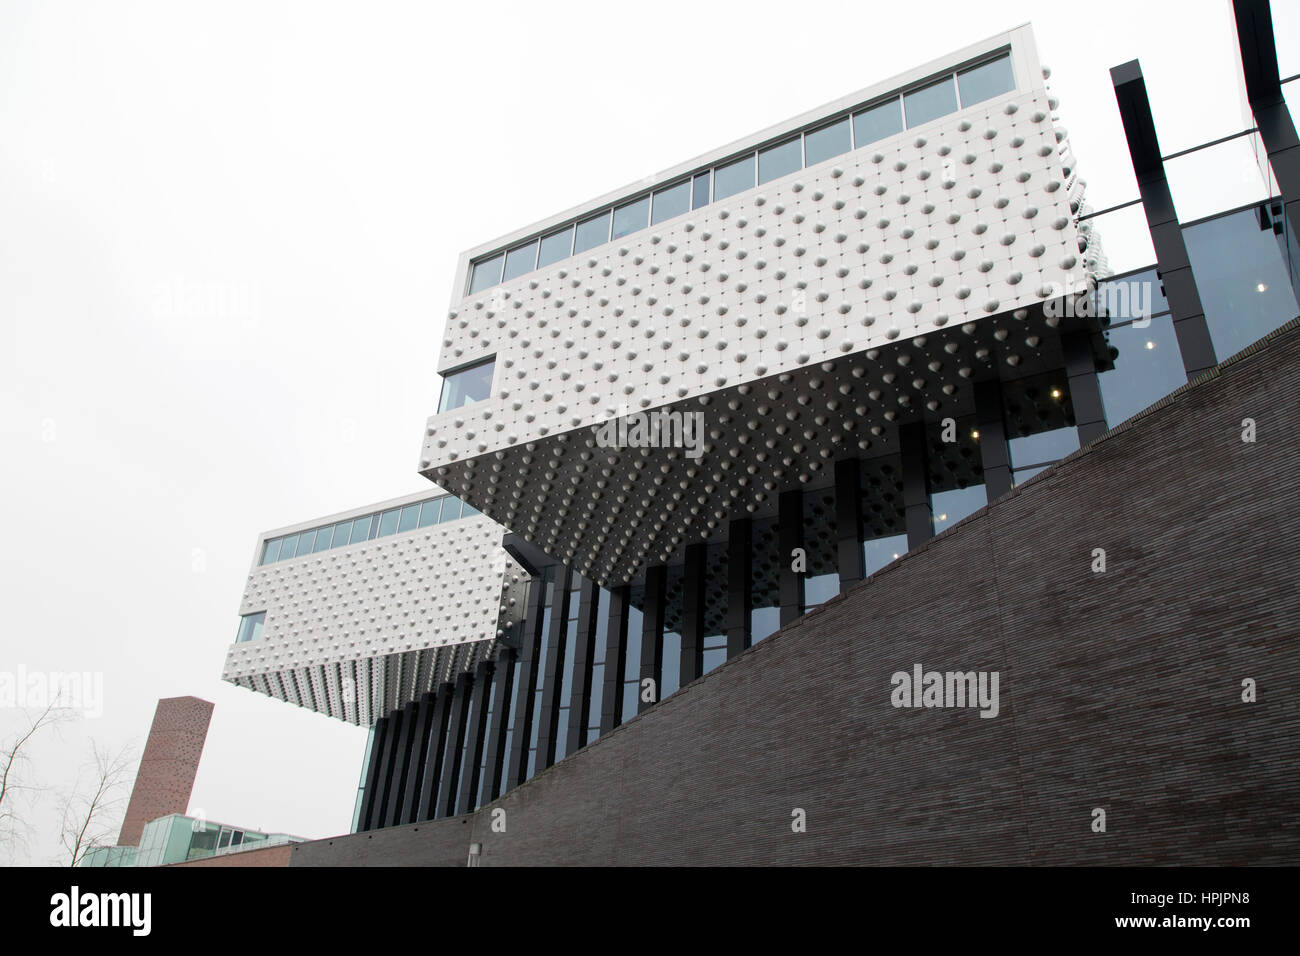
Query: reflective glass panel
{"points": [[270, 551], [780, 160], [628, 219], [591, 233], [556, 246], [700, 190], [520, 261], [324, 537], [466, 386], [1147, 368], [884, 119], [486, 274], [671, 202], [822, 144], [1242, 277], [733, 178], [342, 533], [986, 81], [410, 516], [930, 102]]}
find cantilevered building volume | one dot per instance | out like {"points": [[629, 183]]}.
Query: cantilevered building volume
{"points": [[678, 417]]}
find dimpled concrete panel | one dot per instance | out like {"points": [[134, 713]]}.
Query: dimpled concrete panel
{"points": [[356, 631], [935, 238]]}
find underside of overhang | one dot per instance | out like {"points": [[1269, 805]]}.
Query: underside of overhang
{"points": [[607, 512]]}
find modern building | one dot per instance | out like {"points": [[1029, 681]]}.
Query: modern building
{"points": [[156, 830], [681, 416]]}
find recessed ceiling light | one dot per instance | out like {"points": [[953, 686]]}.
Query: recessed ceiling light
{"points": [[1056, 393], [1150, 344], [1262, 287]]}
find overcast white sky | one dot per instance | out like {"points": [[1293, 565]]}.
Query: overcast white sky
{"points": [[228, 233]]}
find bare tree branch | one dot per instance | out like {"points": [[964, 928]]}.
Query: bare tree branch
{"points": [[14, 761], [89, 818]]}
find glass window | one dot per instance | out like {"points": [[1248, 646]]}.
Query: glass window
{"points": [[670, 202], [450, 508], [880, 552], [632, 670], [520, 261], [780, 160], [1242, 277], [467, 385], [486, 274], [1048, 446], [875, 123], [288, 546], [930, 102], [700, 190], [250, 627], [270, 551], [388, 523], [1148, 367], [820, 588], [591, 233], [628, 219], [733, 178], [822, 144], [342, 533], [949, 507], [305, 540], [1216, 178], [555, 247], [429, 512], [468, 510], [323, 538], [986, 81], [410, 516], [361, 529]]}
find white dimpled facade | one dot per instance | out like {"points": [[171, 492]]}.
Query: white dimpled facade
{"points": [[356, 631]]}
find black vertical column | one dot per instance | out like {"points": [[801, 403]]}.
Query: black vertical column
{"points": [[474, 736], [848, 522], [694, 582], [1085, 392], [652, 635], [386, 767], [611, 701], [918, 518], [499, 725], [365, 819], [419, 752], [789, 537], [553, 670], [455, 745], [995, 454], [517, 759], [584, 651], [1259, 67], [1172, 264], [428, 805], [740, 585]]}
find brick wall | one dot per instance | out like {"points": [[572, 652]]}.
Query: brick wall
{"points": [[1120, 690], [267, 856], [167, 768]]}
